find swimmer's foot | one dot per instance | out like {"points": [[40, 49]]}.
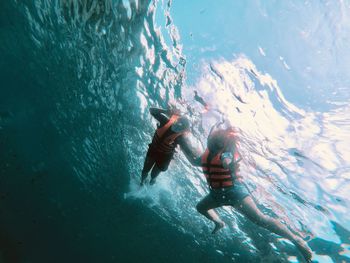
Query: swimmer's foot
{"points": [[143, 179], [304, 249], [153, 181], [218, 226]]}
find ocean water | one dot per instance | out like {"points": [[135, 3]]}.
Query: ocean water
{"points": [[77, 78]]}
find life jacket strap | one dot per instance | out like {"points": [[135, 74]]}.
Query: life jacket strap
{"points": [[221, 184]]}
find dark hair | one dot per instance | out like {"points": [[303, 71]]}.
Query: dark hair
{"points": [[221, 139]]}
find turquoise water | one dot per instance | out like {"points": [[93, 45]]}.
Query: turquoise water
{"points": [[77, 79]]}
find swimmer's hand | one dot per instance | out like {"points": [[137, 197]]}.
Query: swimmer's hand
{"points": [[228, 162]]}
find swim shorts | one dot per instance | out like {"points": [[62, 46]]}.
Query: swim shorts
{"points": [[230, 195], [162, 160]]}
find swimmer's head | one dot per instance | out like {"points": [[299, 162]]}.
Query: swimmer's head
{"points": [[220, 139], [182, 124]]}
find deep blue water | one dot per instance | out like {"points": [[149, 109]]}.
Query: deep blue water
{"points": [[77, 79]]}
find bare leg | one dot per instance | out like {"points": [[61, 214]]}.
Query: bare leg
{"points": [[206, 207], [250, 210], [155, 172], [147, 166]]}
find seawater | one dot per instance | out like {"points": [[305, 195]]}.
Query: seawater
{"points": [[77, 79]]}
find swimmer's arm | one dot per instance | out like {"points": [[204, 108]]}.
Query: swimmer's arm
{"points": [[192, 153], [216, 126], [155, 111]]}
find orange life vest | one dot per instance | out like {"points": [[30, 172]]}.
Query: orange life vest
{"points": [[163, 141], [217, 176]]}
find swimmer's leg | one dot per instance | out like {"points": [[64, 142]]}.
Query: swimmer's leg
{"points": [[155, 172], [147, 166], [206, 207], [248, 208], [161, 165]]}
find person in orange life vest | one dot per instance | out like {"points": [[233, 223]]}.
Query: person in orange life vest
{"points": [[171, 131], [220, 165]]}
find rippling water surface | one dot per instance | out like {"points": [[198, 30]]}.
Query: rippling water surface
{"points": [[77, 80]]}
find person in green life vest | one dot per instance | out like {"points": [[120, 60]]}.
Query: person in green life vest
{"points": [[172, 130], [220, 165]]}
